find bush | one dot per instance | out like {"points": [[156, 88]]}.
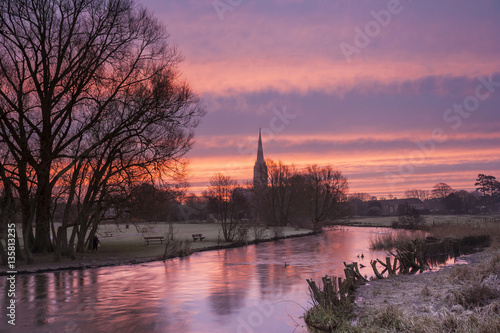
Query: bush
{"points": [[259, 232], [410, 218], [374, 211], [176, 248], [278, 231]]}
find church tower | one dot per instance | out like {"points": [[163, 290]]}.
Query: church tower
{"points": [[260, 167]]}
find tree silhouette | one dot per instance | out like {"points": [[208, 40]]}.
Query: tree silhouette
{"points": [[278, 202], [486, 184], [325, 188], [441, 190], [89, 90], [415, 193], [490, 187], [225, 200]]}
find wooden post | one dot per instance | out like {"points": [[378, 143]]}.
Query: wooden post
{"points": [[354, 273], [389, 266], [375, 270]]}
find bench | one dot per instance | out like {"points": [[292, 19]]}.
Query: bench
{"points": [[152, 239], [197, 236], [108, 234]]}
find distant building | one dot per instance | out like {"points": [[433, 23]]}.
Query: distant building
{"points": [[392, 207], [260, 167]]}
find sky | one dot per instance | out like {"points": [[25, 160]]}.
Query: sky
{"points": [[396, 94]]}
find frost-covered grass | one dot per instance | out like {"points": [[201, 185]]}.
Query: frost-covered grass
{"points": [[386, 221], [121, 245]]}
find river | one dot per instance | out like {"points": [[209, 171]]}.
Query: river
{"points": [[243, 290]]}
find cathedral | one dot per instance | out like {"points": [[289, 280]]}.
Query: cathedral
{"points": [[260, 167]]}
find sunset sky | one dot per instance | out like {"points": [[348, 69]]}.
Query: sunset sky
{"points": [[395, 94]]}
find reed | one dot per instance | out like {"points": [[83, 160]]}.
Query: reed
{"points": [[454, 229], [391, 241]]}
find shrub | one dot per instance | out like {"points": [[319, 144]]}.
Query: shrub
{"points": [[410, 218], [259, 232], [278, 231], [176, 248], [374, 211]]}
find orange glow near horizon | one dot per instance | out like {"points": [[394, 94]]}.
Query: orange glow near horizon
{"points": [[367, 115], [370, 173]]}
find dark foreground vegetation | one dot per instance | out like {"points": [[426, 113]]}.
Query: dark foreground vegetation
{"points": [[465, 298], [92, 103]]}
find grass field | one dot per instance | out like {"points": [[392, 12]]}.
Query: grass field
{"points": [[133, 237], [386, 221]]}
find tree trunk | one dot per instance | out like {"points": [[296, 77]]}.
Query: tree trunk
{"points": [[61, 243], [92, 232], [26, 211], [3, 254], [71, 244], [43, 243], [28, 235], [19, 252], [4, 222]]}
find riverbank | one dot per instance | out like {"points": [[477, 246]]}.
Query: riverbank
{"points": [[127, 246], [460, 298]]}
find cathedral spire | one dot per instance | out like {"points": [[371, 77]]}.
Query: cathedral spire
{"points": [[260, 151], [260, 167]]}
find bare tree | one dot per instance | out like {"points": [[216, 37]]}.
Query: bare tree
{"points": [[224, 199], [419, 194], [191, 206], [139, 153], [18, 182], [7, 211], [324, 189], [278, 202], [148, 202], [441, 190], [360, 196], [72, 69]]}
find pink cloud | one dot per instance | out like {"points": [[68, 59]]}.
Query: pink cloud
{"points": [[363, 116]]}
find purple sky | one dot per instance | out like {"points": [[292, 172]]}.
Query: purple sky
{"points": [[396, 94]]}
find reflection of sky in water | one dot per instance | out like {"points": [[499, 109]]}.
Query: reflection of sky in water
{"points": [[246, 289]]}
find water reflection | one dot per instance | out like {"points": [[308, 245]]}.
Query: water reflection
{"points": [[227, 297], [247, 289]]}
